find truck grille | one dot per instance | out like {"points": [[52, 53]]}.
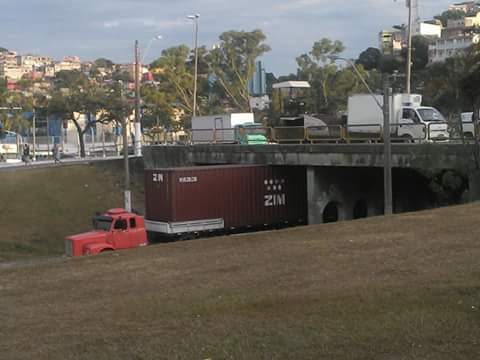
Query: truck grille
{"points": [[68, 248]]}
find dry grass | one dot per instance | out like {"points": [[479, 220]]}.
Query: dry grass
{"points": [[403, 287], [39, 207]]}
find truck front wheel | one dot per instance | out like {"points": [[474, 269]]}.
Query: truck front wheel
{"points": [[407, 139]]}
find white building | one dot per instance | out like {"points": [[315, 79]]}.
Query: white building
{"points": [[390, 41], [466, 6], [446, 48], [428, 30], [68, 63]]}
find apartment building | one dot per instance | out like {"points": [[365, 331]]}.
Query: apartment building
{"points": [[390, 41], [466, 6], [68, 63], [9, 67], [35, 62], [446, 48]]}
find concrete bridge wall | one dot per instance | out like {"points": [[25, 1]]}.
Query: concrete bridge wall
{"points": [[348, 177]]}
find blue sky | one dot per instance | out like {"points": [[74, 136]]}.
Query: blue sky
{"points": [[108, 28]]}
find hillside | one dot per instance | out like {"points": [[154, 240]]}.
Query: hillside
{"points": [[39, 207], [401, 287]]}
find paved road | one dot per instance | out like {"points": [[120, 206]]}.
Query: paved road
{"points": [[11, 166]]}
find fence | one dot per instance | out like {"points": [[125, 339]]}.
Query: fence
{"points": [[362, 133]]}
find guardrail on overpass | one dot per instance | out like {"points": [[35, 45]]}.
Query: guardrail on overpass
{"points": [[426, 156]]}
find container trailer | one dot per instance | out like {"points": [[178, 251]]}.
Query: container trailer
{"points": [[208, 198]]}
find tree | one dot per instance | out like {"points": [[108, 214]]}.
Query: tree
{"points": [[2, 49], [103, 63], [157, 109], [319, 69], [450, 15], [74, 96], [174, 72], [442, 85], [233, 64], [370, 58]]}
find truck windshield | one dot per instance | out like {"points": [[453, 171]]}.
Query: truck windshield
{"points": [[102, 223], [430, 114]]}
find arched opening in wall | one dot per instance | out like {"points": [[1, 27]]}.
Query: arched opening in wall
{"points": [[331, 212], [360, 210]]}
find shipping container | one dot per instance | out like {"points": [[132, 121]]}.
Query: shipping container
{"points": [[205, 198]]}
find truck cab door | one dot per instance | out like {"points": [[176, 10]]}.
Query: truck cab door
{"points": [[409, 124], [136, 232], [120, 234]]}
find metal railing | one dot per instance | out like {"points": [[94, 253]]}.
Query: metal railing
{"points": [[362, 133]]}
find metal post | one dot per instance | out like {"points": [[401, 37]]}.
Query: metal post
{"points": [[127, 193], [196, 69], [48, 138], [138, 128], [195, 24], [387, 152], [34, 153], [103, 140], [409, 50]]}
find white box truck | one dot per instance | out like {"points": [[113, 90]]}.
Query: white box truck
{"points": [[218, 128], [410, 121]]}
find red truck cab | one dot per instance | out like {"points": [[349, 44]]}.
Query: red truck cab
{"points": [[116, 229]]}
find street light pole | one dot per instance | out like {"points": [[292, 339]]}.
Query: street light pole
{"points": [[127, 193], [195, 19], [387, 147], [34, 154], [138, 127], [409, 49]]}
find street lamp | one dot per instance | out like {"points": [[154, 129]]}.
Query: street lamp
{"points": [[195, 20], [409, 50], [138, 127], [147, 49], [387, 147]]}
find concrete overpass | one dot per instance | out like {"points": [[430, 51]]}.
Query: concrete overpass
{"points": [[347, 178], [418, 156]]}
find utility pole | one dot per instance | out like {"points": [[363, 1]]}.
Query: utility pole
{"points": [[34, 154], [387, 146], [195, 19], [138, 127], [127, 193], [387, 149], [409, 49]]}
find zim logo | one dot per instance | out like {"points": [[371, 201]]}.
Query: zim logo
{"points": [[277, 196], [274, 200]]}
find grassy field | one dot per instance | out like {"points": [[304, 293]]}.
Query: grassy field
{"points": [[39, 207], [401, 287]]}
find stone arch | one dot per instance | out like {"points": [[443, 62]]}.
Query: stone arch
{"points": [[331, 212], [360, 209]]}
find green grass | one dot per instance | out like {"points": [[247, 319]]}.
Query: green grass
{"points": [[387, 288], [39, 207]]}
